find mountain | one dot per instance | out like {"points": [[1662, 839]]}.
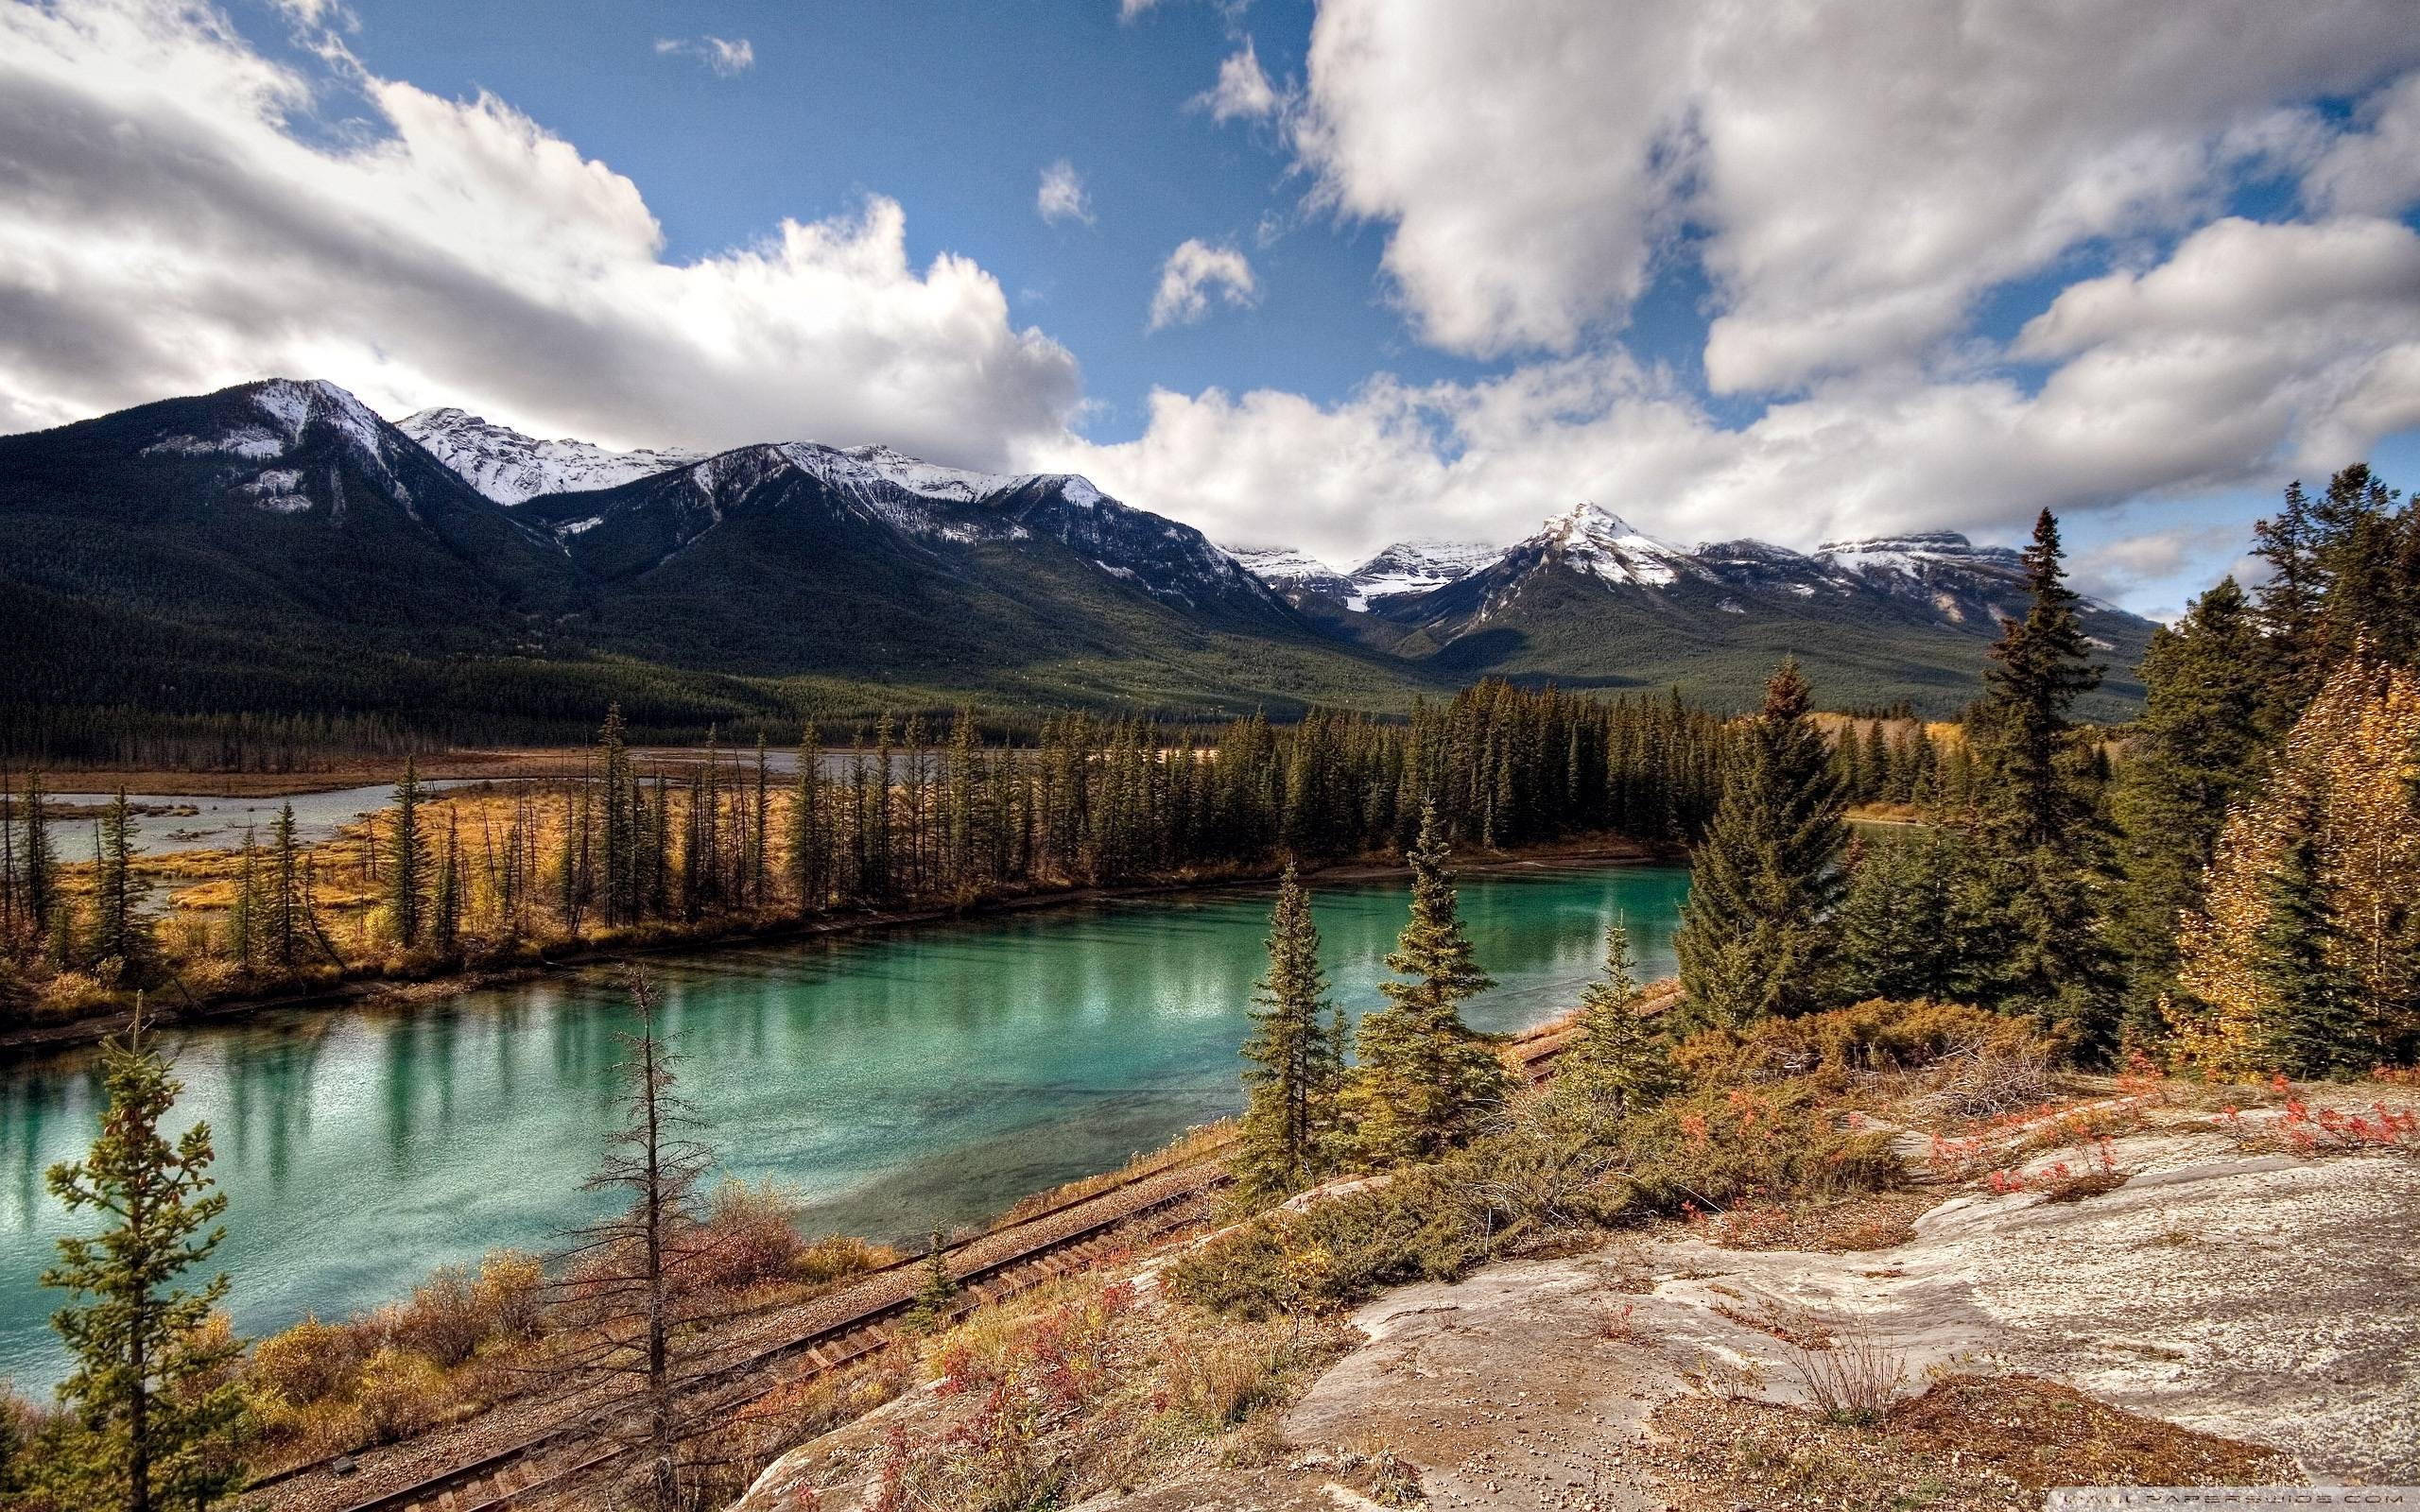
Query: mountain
{"points": [[269, 505], [1591, 600], [799, 558], [277, 546], [510, 468], [276, 549]]}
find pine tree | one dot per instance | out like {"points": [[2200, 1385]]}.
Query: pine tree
{"points": [[445, 900], [120, 930], [37, 869], [2316, 1030], [1756, 935], [1288, 1116], [284, 921], [2197, 747], [1423, 1081], [157, 1413], [938, 1297], [408, 878], [2040, 667], [2044, 840], [243, 911], [1616, 1065]]}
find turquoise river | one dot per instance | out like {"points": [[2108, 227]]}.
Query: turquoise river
{"points": [[900, 1080]]}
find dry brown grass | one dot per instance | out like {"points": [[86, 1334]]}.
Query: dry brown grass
{"points": [[1968, 1442]]}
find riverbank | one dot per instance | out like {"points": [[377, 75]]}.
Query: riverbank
{"points": [[378, 985]]}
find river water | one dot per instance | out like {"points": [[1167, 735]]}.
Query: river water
{"points": [[901, 1080]]}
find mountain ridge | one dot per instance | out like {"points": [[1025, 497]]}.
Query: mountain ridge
{"points": [[288, 512]]}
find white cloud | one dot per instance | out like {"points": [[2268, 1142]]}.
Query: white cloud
{"points": [[1129, 10], [1856, 175], [1242, 90], [2251, 353], [1195, 271], [163, 232], [1061, 195], [726, 57], [2376, 170]]}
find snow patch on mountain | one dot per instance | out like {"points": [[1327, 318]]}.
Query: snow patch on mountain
{"points": [[510, 468]]}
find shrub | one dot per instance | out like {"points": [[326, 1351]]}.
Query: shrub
{"points": [[1872, 1037], [838, 1257], [401, 1394], [310, 1362], [509, 1294], [750, 1236], [443, 1320]]}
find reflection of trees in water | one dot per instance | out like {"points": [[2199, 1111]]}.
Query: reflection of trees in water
{"points": [[269, 1079], [35, 1102]]}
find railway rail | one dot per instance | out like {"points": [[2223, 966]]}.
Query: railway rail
{"points": [[500, 1464]]}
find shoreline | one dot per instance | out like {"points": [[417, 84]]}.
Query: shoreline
{"points": [[33, 1040]]}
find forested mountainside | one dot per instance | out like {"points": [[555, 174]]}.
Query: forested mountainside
{"points": [[277, 550]]}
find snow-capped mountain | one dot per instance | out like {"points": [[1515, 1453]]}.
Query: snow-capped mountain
{"points": [[512, 468], [1417, 566], [1405, 568], [1607, 547], [895, 504], [1292, 571]]}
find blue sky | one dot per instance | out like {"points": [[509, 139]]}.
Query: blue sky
{"points": [[1805, 271]]}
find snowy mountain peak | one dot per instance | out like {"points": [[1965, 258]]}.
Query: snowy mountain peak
{"points": [[510, 468], [1602, 544], [1288, 570]]}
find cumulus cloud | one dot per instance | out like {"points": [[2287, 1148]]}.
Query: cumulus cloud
{"points": [[1856, 176], [1193, 273], [2254, 350], [1062, 194], [164, 230], [1243, 92], [727, 58]]}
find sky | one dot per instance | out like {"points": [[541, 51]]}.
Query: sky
{"points": [[1322, 275]]}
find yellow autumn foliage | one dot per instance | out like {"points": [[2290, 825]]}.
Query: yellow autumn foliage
{"points": [[2350, 766]]}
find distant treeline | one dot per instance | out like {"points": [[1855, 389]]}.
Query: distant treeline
{"points": [[918, 813]]}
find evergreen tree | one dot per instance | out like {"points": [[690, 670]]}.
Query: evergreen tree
{"points": [[2197, 747], [1616, 1065], [1756, 935], [37, 868], [445, 900], [2044, 843], [407, 880], [1423, 1080], [938, 1297], [156, 1413], [120, 930], [2316, 1029], [2040, 667], [284, 915], [1288, 1116], [243, 911]]}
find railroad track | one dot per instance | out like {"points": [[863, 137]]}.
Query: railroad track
{"points": [[581, 1443], [566, 1448]]}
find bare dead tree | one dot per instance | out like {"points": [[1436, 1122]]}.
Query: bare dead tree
{"points": [[626, 1267]]}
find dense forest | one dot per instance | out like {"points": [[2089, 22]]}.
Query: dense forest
{"points": [[2229, 885]]}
